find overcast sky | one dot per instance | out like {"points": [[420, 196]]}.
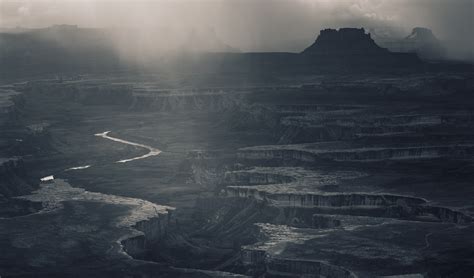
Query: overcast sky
{"points": [[251, 25]]}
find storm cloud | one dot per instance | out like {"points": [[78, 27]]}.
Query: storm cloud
{"points": [[258, 25]]}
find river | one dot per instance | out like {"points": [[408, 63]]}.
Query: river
{"points": [[152, 151]]}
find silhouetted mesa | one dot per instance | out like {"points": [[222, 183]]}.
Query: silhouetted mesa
{"points": [[344, 41], [346, 49], [352, 46]]}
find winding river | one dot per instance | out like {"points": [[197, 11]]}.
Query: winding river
{"points": [[152, 151]]}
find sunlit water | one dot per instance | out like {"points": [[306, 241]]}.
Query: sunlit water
{"points": [[152, 151], [78, 168], [47, 178]]}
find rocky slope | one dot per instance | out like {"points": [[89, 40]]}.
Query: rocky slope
{"points": [[349, 185], [322, 177]]}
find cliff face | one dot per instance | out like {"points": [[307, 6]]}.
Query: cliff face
{"points": [[150, 230]]}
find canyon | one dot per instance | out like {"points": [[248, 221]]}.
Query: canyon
{"points": [[278, 171], [282, 180]]}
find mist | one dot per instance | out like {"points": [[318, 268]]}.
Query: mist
{"points": [[247, 26], [236, 138]]}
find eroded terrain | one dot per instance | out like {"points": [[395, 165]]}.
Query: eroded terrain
{"points": [[213, 176]]}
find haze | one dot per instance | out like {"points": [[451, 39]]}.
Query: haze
{"points": [[263, 25]]}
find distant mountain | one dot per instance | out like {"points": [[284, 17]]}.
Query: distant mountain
{"points": [[345, 41], [57, 48], [425, 44], [66, 48], [352, 48], [421, 41]]}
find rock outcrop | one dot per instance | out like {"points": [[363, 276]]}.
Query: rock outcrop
{"points": [[353, 47], [345, 41], [145, 221]]}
